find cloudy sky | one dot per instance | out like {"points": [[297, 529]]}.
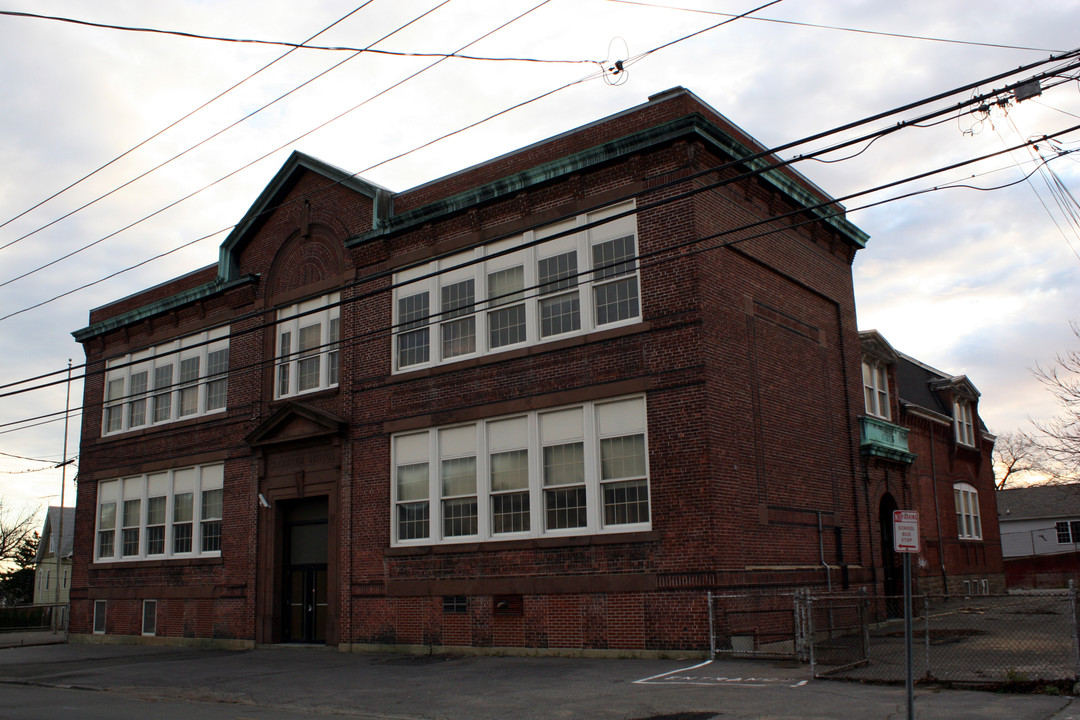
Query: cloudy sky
{"points": [[982, 283]]}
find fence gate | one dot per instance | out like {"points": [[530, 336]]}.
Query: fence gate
{"points": [[832, 631], [752, 625]]}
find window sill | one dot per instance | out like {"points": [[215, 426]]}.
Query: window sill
{"points": [[171, 425], [156, 563], [523, 544], [538, 348], [304, 396]]}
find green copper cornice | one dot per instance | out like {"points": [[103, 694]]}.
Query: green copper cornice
{"points": [[158, 307], [693, 125]]}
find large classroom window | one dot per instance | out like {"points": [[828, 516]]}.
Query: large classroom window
{"points": [[504, 298], [177, 380], [167, 514], [568, 471]]}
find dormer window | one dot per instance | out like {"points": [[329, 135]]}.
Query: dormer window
{"points": [[963, 422], [876, 388]]}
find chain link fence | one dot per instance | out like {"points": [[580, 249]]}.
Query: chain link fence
{"points": [[1020, 640], [1006, 640]]}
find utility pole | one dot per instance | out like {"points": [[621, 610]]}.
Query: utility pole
{"points": [[56, 624]]}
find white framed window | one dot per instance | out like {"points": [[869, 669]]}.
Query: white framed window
{"points": [[1068, 532], [149, 617], [968, 522], [307, 346], [963, 422], [566, 471], [504, 298], [181, 379], [99, 616], [173, 513], [876, 388]]}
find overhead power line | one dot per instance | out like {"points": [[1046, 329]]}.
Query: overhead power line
{"points": [[268, 154], [225, 129], [294, 46], [861, 31], [644, 259], [175, 123], [916, 122], [650, 259]]}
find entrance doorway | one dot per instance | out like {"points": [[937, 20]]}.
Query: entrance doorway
{"points": [[893, 578], [305, 583]]}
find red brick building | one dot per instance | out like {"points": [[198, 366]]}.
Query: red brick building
{"points": [[927, 450], [549, 401]]}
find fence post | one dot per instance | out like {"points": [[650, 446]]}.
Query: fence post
{"points": [[712, 629], [1076, 631], [926, 622], [864, 605]]}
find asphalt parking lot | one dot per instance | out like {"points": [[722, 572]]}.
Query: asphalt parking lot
{"points": [[308, 681]]}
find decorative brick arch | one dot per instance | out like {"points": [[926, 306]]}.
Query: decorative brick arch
{"points": [[306, 259]]}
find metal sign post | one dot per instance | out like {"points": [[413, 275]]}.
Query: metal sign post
{"points": [[906, 542]]}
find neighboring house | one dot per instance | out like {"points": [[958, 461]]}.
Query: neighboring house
{"points": [[927, 450], [1040, 534], [549, 401], [51, 583]]}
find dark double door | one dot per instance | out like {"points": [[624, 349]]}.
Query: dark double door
{"points": [[305, 583]]}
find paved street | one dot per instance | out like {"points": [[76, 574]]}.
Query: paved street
{"points": [[120, 681]]}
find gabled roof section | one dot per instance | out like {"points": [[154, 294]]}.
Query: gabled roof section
{"points": [[875, 345], [295, 421], [1040, 501], [47, 545], [271, 197], [919, 385]]}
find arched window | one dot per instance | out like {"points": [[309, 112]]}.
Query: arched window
{"points": [[968, 524]]}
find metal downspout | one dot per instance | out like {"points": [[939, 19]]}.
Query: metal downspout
{"points": [[821, 550], [937, 516]]}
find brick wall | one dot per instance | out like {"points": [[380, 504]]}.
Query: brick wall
{"points": [[747, 354]]}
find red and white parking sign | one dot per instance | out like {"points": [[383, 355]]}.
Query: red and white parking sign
{"points": [[905, 531]]}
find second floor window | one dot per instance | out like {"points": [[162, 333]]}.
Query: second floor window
{"points": [[876, 388], [495, 298], [181, 379], [307, 346], [964, 422]]}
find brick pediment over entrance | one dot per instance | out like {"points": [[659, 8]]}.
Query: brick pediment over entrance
{"points": [[293, 422]]}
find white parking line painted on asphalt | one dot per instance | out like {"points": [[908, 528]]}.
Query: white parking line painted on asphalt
{"points": [[688, 676]]}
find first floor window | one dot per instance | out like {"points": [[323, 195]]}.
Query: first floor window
{"points": [[99, 617], [1068, 532], [174, 513], [155, 525], [210, 527], [574, 470], [106, 527], [969, 526], [131, 527], [149, 617]]}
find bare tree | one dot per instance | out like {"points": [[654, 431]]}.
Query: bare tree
{"points": [[1019, 457], [1060, 435], [16, 525]]}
